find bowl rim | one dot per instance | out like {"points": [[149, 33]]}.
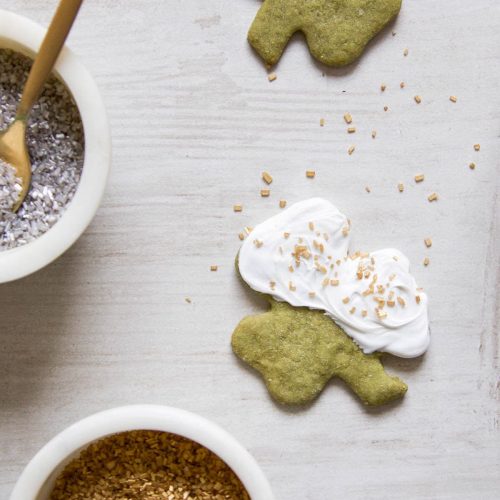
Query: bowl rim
{"points": [[24, 35], [141, 417]]}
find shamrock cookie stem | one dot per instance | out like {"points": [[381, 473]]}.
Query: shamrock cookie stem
{"points": [[298, 350]]}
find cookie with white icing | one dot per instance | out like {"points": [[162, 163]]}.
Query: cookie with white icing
{"points": [[332, 312]]}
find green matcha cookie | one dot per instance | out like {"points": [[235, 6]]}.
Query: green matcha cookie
{"points": [[337, 31], [297, 351]]}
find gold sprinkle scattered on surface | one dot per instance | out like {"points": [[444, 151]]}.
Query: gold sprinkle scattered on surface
{"points": [[405, 52], [428, 242], [291, 286], [265, 193], [267, 177], [272, 77], [282, 203], [238, 208], [418, 99], [472, 165], [367, 189], [453, 98], [214, 268], [386, 108], [188, 300], [382, 88], [391, 303], [381, 314], [346, 300], [477, 147], [417, 299], [310, 174], [432, 197], [364, 313], [334, 282], [311, 226], [427, 261], [258, 243], [351, 130], [312, 295], [286, 235], [419, 178], [374, 134], [402, 85], [401, 302], [352, 310], [241, 236], [322, 122], [351, 149], [401, 187], [348, 118], [272, 284], [290, 268], [248, 229]]}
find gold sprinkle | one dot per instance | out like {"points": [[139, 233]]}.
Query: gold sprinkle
{"points": [[272, 284], [386, 108], [382, 88], [453, 98], [258, 243], [345, 231], [311, 226], [417, 299], [291, 286], [214, 268], [310, 174], [334, 282], [364, 313], [418, 99], [238, 208], [432, 197], [472, 165], [374, 134], [272, 77], [351, 150], [188, 300], [405, 52], [351, 130], [367, 189], [267, 177], [428, 242], [241, 236], [286, 235], [348, 118], [325, 282], [265, 193], [427, 261], [322, 122], [477, 147], [312, 295], [290, 268], [326, 238], [391, 303], [419, 178], [381, 314], [401, 302], [352, 310], [401, 187], [402, 85], [346, 300]]}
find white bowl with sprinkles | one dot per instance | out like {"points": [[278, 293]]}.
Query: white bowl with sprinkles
{"points": [[40, 476], [70, 147]]}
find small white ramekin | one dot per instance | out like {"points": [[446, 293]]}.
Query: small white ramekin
{"points": [[20, 34], [37, 480]]}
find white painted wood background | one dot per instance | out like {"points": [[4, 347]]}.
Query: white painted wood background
{"points": [[195, 121]]}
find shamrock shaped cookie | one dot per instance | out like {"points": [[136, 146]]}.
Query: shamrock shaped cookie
{"points": [[337, 31], [332, 312]]}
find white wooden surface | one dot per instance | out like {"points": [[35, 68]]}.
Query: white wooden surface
{"points": [[194, 122]]}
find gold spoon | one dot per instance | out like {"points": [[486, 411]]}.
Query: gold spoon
{"points": [[13, 148]]}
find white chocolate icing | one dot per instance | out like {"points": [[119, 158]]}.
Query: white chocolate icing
{"points": [[301, 256]]}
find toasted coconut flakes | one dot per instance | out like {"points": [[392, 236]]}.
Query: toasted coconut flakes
{"points": [[310, 174], [272, 77], [348, 118], [419, 178], [453, 98], [267, 177], [265, 193], [432, 197], [418, 99]]}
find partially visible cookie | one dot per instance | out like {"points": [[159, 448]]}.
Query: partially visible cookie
{"points": [[337, 31], [297, 351]]}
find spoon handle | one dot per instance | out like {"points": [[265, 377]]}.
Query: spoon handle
{"points": [[47, 55]]}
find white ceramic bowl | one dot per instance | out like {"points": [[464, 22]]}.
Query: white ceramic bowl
{"points": [[20, 34], [37, 480]]}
